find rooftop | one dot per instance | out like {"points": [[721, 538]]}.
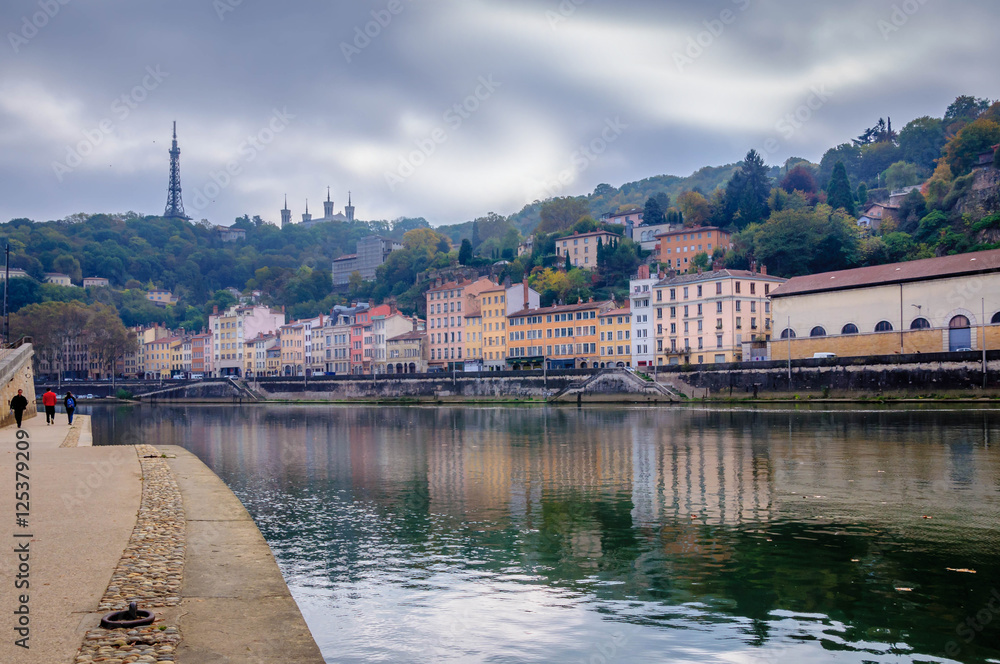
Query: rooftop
{"points": [[562, 309], [893, 273], [699, 229], [409, 336], [715, 275]]}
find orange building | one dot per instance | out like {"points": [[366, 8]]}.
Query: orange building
{"points": [[678, 248]]}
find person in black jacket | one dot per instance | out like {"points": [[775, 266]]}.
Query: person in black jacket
{"points": [[70, 403], [19, 404]]}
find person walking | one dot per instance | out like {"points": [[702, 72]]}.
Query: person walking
{"points": [[49, 401], [70, 403], [19, 404]]}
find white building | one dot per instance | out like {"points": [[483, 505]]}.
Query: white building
{"points": [[643, 318]]}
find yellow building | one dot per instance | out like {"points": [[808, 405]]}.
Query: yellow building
{"points": [[615, 331], [473, 333], [492, 304], [935, 305], [293, 341], [564, 337]]}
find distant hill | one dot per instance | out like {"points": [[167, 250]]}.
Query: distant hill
{"points": [[606, 198]]}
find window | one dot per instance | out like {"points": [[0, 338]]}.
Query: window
{"points": [[959, 323], [718, 307], [920, 324], [699, 291], [788, 333], [817, 331], [883, 326], [737, 287], [718, 288], [850, 328], [996, 319]]}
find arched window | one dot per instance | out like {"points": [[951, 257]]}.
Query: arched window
{"points": [[817, 332], [959, 323], [996, 319], [920, 324], [850, 328], [787, 334], [883, 326]]}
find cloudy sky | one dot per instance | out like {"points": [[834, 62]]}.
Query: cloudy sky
{"points": [[448, 109]]}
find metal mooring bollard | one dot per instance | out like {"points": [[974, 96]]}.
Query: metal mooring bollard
{"points": [[133, 616]]}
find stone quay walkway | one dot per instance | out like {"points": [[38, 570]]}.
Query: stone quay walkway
{"points": [[108, 525]]}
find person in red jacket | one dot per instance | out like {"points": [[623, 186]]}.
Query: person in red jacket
{"points": [[49, 401]]}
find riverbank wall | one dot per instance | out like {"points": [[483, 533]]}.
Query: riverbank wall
{"points": [[16, 373], [928, 375]]}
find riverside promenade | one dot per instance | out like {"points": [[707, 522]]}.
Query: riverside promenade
{"points": [[106, 525]]}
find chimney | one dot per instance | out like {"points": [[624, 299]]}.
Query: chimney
{"points": [[763, 270], [644, 271], [526, 299], [215, 310]]}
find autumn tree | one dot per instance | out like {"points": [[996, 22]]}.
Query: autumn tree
{"points": [[800, 178], [694, 208], [559, 214], [978, 137]]}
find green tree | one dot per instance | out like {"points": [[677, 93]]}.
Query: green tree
{"points": [[652, 213], [569, 264], [747, 192], [560, 214], [465, 253], [839, 193], [911, 211], [921, 140], [862, 193], [901, 174], [963, 110]]}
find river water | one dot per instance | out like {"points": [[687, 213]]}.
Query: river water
{"points": [[666, 534]]}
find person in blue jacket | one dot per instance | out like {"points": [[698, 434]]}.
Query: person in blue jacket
{"points": [[70, 403]]}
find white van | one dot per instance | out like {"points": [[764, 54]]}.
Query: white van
{"points": [[823, 356]]}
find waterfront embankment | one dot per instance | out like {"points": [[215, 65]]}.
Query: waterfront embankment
{"points": [[110, 524]]}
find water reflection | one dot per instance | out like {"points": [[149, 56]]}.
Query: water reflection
{"points": [[506, 534]]}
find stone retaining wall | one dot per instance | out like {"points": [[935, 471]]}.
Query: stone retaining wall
{"points": [[16, 373]]}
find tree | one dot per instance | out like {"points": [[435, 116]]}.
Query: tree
{"points": [[901, 174], [921, 140], [963, 110], [107, 339], [963, 150], [465, 253], [862, 194], [423, 239], [694, 207], [559, 214], [652, 214], [476, 240], [663, 198], [800, 178], [569, 264], [747, 192], [911, 211], [839, 194], [880, 133], [848, 154]]}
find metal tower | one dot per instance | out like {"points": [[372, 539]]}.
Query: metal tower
{"points": [[175, 206]]}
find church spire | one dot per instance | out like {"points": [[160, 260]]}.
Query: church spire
{"points": [[286, 214]]}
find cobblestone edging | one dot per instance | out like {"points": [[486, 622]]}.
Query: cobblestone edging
{"points": [[149, 573], [73, 437]]}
